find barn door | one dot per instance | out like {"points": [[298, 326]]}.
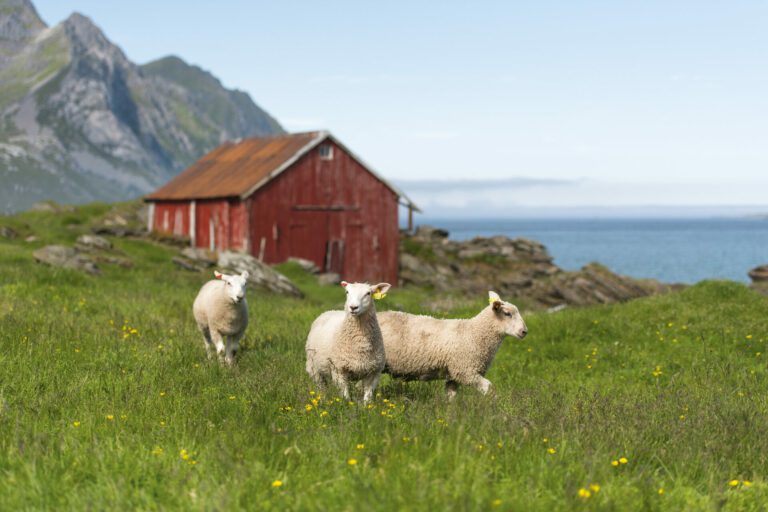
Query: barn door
{"points": [[334, 256]]}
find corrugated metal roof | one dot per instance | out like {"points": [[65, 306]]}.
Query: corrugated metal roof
{"points": [[237, 169]]}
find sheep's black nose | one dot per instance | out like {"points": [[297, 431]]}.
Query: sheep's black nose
{"points": [[354, 308], [524, 332]]}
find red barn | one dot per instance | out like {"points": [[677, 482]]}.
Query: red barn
{"points": [[304, 195]]}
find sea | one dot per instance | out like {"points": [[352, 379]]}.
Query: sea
{"points": [[671, 250]]}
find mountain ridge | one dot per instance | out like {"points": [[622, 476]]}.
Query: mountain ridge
{"points": [[80, 122]]}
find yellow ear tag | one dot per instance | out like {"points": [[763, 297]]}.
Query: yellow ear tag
{"points": [[491, 300], [379, 295]]}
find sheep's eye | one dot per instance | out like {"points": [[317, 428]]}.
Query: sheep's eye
{"points": [[507, 313], [367, 294]]}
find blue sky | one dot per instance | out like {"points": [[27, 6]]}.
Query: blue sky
{"points": [[621, 103]]}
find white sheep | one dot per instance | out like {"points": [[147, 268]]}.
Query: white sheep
{"points": [[346, 346], [221, 313], [419, 347]]}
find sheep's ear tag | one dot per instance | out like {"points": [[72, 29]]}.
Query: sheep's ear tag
{"points": [[217, 275], [379, 295], [493, 297]]}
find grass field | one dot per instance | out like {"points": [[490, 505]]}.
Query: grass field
{"points": [[107, 402]]}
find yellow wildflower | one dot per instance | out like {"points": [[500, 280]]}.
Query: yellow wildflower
{"points": [[324, 414], [595, 488], [352, 462], [584, 493], [308, 407], [614, 463], [110, 417], [277, 483], [75, 424], [746, 483], [623, 460], [184, 454], [733, 483], [496, 503], [360, 446], [157, 450], [551, 450], [661, 491]]}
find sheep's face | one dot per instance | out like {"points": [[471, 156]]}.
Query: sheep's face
{"points": [[508, 315], [234, 286], [360, 296]]}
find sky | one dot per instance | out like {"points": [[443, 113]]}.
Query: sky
{"points": [[554, 103]]}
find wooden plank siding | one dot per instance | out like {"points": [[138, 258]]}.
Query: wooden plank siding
{"points": [[325, 210]]}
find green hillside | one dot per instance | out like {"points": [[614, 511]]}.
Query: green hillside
{"points": [[107, 401]]}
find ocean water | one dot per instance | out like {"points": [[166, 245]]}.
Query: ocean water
{"points": [[670, 250]]}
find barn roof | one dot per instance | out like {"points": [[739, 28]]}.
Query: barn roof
{"points": [[238, 169]]}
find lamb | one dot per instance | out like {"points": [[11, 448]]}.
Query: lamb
{"points": [[420, 347], [346, 346], [221, 313]]}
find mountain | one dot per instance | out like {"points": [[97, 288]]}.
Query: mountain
{"points": [[80, 122]]}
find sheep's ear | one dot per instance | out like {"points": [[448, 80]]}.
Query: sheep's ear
{"points": [[245, 275], [217, 274], [381, 288], [344, 284], [494, 300]]}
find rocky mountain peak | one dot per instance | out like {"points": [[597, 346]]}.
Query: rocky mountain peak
{"points": [[19, 22], [86, 38]]}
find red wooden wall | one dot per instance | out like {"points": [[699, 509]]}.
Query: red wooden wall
{"points": [[320, 202]]}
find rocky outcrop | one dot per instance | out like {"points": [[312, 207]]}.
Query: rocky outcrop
{"points": [[66, 257], [517, 268], [759, 276], [261, 274]]}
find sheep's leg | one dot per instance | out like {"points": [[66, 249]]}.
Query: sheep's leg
{"points": [[369, 386], [481, 384], [207, 340], [218, 340], [342, 383], [451, 388], [233, 345]]}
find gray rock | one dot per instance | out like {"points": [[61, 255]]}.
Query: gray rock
{"points": [[328, 279], [31, 238], [7, 232], [201, 257], [66, 257], [308, 266], [89, 242], [759, 274], [261, 274]]}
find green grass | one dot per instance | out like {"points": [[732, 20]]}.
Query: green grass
{"points": [[96, 416]]}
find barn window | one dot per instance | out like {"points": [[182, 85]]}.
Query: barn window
{"points": [[326, 152]]}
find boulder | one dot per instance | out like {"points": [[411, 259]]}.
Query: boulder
{"points": [[7, 232], [759, 274], [91, 242], [306, 265], [202, 257], [328, 279], [261, 274], [66, 257]]}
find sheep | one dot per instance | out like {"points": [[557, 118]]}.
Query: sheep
{"points": [[221, 313], [346, 346], [419, 347]]}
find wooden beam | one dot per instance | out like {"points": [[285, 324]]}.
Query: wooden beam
{"points": [[332, 207]]}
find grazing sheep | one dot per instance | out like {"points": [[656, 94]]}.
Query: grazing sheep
{"points": [[346, 346], [221, 313], [460, 351]]}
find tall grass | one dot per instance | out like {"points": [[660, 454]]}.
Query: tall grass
{"points": [[107, 402]]}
